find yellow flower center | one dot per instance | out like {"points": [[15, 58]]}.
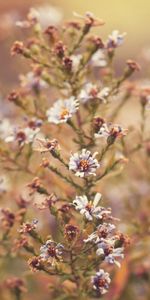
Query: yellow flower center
{"points": [[64, 113]]}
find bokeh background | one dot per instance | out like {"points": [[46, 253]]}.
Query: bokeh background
{"points": [[132, 17]]}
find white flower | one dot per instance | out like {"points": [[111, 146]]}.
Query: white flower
{"points": [[31, 81], [101, 282], [115, 39], [92, 92], [99, 59], [84, 163], [88, 208], [62, 110], [23, 136], [51, 251], [6, 128], [102, 232], [110, 130], [110, 253]]}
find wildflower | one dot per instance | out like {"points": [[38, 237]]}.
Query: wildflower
{"points": [[99, 59], [109, 131], [106, 248], [91, 92], [115, 39], [51, 252], [71, 232], [83, 164], [102, 232], [22, 136], [101, 282], [62, 110], [90, 208]]}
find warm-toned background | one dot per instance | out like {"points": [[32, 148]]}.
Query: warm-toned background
{"points": [[131, 16]]}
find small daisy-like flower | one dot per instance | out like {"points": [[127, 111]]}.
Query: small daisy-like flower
{"points": [[110, 253], [99, 59], [115, 39], [89, 208], [110, 132], [23, 136], [51, 252], [92, 92], [62, 110], [101, 282], [84, 163], [103, 231]]}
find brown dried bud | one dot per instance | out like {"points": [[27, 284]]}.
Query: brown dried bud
{"points": [[97, 123], [15, 284], [22, 203], [60, 49], [52, 33], [71, 232], [35, 183], [45, 162], [8, 218], [35, 264], [134, 66], [17, 48], [67, 63], [14, 97], [145, 96], [65, 208]]}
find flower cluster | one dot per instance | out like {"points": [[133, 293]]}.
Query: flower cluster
{"points": [[64, 150]]}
